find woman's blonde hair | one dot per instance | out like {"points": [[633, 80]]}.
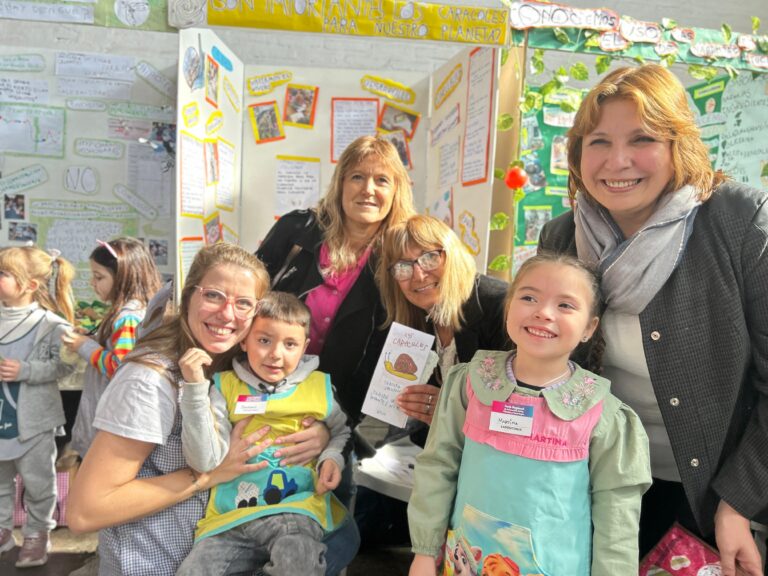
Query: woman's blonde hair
{"points": [[455, 287], [330, 212], [663, 109], [134, 277], [174, 337], [53, 275]]}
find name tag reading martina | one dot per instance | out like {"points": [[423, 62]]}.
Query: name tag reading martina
{"points": [[510, 418], [251, 404]]}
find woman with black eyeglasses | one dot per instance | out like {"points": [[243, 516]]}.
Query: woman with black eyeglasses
{"points": [[428, 280]]}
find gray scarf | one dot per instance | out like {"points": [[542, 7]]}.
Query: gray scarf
{"points": [[634, 269]]}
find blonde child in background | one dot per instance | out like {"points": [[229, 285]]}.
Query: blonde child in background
{"points": [[275, 518], [32, 321], [532, 466], [124, 275]]}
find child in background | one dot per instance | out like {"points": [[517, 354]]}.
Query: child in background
{"points": [[274, 518], [531, 464], [124, 275], [32, 321]]}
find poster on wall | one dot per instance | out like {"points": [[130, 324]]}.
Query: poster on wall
{"points": [[732, 115]]}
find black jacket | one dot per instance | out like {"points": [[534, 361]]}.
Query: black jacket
{"points": [[705, 338], [484, 328], [354, 341]]}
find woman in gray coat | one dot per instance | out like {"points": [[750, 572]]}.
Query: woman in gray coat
{"points": [[682, 252]]}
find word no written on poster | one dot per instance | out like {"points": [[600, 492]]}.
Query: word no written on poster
{"points": [[385, 18]]}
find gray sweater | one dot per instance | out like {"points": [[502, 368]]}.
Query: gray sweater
{"points": [[39, 406]]}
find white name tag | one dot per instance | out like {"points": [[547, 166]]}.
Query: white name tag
{"points": [[251, 404], [510, 418]]}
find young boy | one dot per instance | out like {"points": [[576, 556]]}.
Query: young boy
{"points": [[276, 516]]}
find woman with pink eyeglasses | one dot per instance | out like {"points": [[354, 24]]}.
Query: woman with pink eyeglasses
{"points": [[134, 485]]}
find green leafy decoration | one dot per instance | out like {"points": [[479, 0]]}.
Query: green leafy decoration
{"points": [[537, 61], [504, 55], [668, 60], [532, 101], [505, 122], [562, 74], [499, 221], [702, 72], [570, 103], [592, 42], [668, 23], [579, 71], [755, 24], [732, 72], [501, 263], [516, 164], [552, 86], [727, 33], [639, 59], [762, 43], [499, 174], [561, 36], [764, 171], [602, 63]]}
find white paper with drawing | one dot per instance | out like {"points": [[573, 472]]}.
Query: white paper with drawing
{"points": [[402, 363]]}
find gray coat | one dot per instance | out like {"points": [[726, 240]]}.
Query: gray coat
{"points": [[40, 408], [705, 338]]}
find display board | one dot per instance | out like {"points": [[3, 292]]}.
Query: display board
{"points": [[210, 120], [313, 115], [87, 146], [462, 138]]}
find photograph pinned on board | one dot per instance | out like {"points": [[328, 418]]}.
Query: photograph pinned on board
{"points": [[211, 161], [535, 218], [265, 121], [394, 118], [212, 225], [14, 207], [22, 232], [212, 81], [300, 104], [400, 141], [193, 68], [158, 248]]}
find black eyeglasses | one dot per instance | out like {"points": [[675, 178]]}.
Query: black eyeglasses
{"points": [[403, 269]]}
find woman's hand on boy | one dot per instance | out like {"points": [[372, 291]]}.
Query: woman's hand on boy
{"points": [[241, 450], [419, 401], [735, 542], [307, 443], [192, 364], [329, 476]]}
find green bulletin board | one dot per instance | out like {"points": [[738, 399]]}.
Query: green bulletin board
{"points": [[733, 117], [543, 153]]}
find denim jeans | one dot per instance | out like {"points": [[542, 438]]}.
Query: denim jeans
{"points": [[279, 544], [344, 542]]}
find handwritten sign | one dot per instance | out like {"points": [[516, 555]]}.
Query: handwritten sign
{"points": [[23, 179], [639, 31], [85, 105], [382, 18], [94, 66], [148, 111], [22, 63], [23, 90], [265, 83], [40, 12], [156, 79], [540, 15], [448, 85], [97, 148], [94, 88], [351, 118], [402, 362], [388, 89], [713, 50], [477, 130], [445, 125], [297, 183], [81, 180]]}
